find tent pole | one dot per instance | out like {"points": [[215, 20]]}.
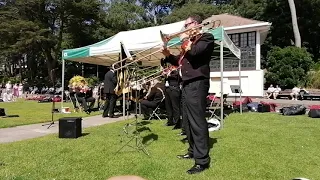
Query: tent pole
{"points": [[98, 71], [62, 82], [123, 95], [221, 83], [240, 92]]}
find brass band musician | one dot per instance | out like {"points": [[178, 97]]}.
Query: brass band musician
{"points": [[110, 83], [173, 95], [82, 94], [195, 71], [152, 98]]}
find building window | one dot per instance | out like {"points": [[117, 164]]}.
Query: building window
{"points": [[246, 42]]}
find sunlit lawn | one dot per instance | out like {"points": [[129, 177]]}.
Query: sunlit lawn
{"points": [[31, 112], [250, 146]]}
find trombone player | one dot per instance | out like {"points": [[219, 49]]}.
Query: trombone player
{"points": [[173, 95], [195, 74]]}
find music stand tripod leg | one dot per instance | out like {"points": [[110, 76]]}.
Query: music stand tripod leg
{"points": [[136, 134], [52, 112]]}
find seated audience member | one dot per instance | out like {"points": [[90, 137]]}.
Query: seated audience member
{"points": [[152, 99], [295, 93], [270, 91], [276, 92], [303, 92]]}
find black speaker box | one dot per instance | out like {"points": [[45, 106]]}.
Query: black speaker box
{"points": [[70, 127], [2, 112]]}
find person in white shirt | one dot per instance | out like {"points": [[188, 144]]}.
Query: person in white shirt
{"points": [[270, 91], [20, 89], [9, 87], [295, 93], [276, 92]]}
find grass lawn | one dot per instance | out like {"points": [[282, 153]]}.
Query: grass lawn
{"points": [[32, 112], [251, 146]]}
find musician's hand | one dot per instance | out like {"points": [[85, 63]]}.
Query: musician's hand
{"points": [[165, 51]]}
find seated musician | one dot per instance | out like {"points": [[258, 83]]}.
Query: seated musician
{"points": [[89, 98], [152, 99], [79, 94]]}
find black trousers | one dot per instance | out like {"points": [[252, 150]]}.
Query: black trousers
{"points": [[109, 105], [81, 100], [172, 101], [147, 107], [193, 113], [92, 100]]}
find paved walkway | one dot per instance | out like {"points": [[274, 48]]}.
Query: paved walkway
{"points": [[20, 133]]}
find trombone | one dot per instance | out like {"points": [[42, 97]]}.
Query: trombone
{"points": [[165, 39], [163, 72]]}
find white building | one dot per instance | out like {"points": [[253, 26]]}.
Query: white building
{"points": [[248, 35]]}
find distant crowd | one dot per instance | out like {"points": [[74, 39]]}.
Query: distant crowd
{"points": [[10, 92]]}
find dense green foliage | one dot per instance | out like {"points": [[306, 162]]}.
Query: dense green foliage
{"points": [[33, 33], [288, 67]]}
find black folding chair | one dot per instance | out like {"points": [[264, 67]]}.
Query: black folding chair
{"points": [[157, 111]]}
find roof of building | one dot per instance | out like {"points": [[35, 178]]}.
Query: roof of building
{"points": [[228, 20]]}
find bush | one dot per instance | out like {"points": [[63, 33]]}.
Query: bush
{"points": [[288, 67], [92, 81], [313, 80]]}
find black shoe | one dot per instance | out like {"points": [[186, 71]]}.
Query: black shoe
{"points": [[182, 134], [169, 124], [184, 140], [176, 127], [88, 111], [197, 168], [186, 156]]}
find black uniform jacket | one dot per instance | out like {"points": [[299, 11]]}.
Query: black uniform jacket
{"points": [[110, 82], [195, 63], [156, 95]]}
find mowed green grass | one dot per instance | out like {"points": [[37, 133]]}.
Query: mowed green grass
{"points": [[31, 112], [250, 146]]}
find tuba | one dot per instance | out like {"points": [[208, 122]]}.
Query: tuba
{"points": [[121, 80]]}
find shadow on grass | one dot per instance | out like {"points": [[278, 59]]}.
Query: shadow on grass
{"points": [[144, 128], [212, 141], [147, 140], [84, 134], [143, 123]]}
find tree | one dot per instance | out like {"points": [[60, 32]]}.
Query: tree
{"points": [[295, 26], [288, 67], [201, 9], [42, 28]]}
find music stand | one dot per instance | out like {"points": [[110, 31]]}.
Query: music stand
{"points": [[236, 89], [135, 134], [53, 102]]}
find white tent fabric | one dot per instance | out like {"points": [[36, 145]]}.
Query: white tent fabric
{"points": [[137, 40]]}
